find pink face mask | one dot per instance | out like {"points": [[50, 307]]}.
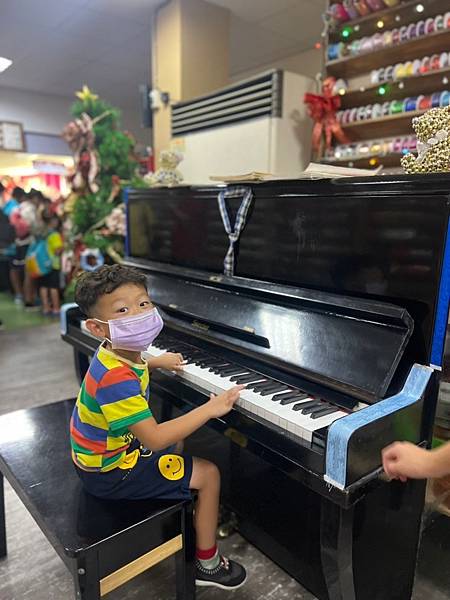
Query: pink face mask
{"points": [[135, 333]]}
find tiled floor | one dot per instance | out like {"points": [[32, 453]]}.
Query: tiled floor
{"points": [[36, 367]]}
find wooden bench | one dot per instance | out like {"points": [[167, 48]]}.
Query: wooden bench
{"points": [[103, 543]]}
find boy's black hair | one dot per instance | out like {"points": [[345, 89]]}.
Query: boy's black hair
{"points": [[91, 286]]}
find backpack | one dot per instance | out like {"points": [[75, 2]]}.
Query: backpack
{"points": [[38, 261]]}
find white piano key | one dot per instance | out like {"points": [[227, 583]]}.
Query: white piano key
{"points": [[282, 416]]}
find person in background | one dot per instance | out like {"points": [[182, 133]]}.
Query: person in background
{"points": [[49, 285], [21, 242], [7, 233], [403, 460]]}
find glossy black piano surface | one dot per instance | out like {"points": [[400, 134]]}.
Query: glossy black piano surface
{"points": [[336, 294]]}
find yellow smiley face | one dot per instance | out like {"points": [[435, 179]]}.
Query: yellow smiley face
{"points": [[171, 466]]}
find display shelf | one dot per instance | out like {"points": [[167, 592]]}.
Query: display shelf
{"points": [[367, 24], [389, 126], [351, 66], [387, 161], [426, 83]]}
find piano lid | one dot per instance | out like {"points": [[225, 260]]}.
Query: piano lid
{"points": [[353, 347]]}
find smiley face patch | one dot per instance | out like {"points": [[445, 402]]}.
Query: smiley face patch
{"points": [[171, 466]]}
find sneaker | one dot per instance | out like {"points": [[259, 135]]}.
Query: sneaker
{"points": [[228, 575], [31, 307], [18, 299]]}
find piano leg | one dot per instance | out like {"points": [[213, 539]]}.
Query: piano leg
{"points": [[369, 551], [336, 542], [81, 364]]}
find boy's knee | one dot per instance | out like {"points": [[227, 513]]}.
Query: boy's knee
{"points": [[207, 476]]}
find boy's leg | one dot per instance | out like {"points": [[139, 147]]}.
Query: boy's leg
{"points": [[206, 479], [15, 277], [43, 293], [212, 569], [54, 295]]}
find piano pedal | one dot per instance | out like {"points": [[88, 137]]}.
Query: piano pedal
{"points": [[228, 524]]}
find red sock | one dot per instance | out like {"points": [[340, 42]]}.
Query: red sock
{"points": [[206, 554]]}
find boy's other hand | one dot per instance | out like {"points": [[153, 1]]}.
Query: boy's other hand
{"points": [[403, 460], [222, 404], [170, 361]]}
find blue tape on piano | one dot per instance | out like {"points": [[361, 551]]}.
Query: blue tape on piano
{"points": [[342, 430], [63, 317], [440, 322]]}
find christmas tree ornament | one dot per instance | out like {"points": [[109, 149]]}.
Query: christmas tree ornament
{"points": [[86, 95]]}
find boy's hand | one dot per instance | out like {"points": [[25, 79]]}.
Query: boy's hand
{"points": [[169, 361], [222, 404], [403, 460]]}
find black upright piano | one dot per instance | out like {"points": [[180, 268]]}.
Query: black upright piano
{"points": [[332, 310]]}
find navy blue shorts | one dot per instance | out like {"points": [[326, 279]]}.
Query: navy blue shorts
{"points": [[156, 475]]}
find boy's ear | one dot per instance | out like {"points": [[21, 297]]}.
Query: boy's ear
{"points": [[95, 328]]}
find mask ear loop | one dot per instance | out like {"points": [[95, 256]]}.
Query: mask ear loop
{"points": [[106, 323]]}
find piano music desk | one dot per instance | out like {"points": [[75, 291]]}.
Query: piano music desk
{"points": [[103, 543]]}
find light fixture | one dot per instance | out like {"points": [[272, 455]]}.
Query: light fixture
{"points": [[380, 24], [341, 91], [445, 80], [362, 89], [346, 32], [401, 85], [357, 27], [419, 8], [373, 162], [318, 45], [5, 63], [398, 18], [382, 90]]}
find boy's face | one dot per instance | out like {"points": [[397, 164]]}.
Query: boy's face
{"points": [[128, 300]]}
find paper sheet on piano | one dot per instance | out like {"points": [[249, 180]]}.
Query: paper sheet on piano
{"points": [[312, 171]]}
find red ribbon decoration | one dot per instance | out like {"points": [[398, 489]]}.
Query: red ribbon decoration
{"points": [[322, 109]]}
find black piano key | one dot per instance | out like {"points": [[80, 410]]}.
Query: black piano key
{"points": [[293, 399], [302, 405], [275, 387], [260, 384], [246, 378], [307, 410], [286, 395], [222, 368], [210, 362], [233, 371], [219, 364], [323, 411]]}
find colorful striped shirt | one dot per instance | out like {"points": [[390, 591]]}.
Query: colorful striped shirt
{"points": [[113, 396]]}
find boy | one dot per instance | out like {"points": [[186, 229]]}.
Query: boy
{"points": [[49, 285], [118, 448], [403, 460]]}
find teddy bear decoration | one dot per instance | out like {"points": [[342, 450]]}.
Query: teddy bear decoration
{"points": [[433, 143], [167, 174]]}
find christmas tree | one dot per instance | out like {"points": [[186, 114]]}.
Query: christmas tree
{"points": [[104, 164]]}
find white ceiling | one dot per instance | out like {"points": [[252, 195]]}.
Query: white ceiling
{"points": [[58, 45]]}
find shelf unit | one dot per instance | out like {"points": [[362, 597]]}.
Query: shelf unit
{"points": [[427, 83], [392, 17], [362, 92], [433, 43]]}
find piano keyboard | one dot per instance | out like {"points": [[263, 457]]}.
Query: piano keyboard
{"points": [[291, 409]]}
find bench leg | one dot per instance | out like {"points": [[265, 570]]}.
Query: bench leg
{"points": [[185, 558], [86, 578], [2, 519]]}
